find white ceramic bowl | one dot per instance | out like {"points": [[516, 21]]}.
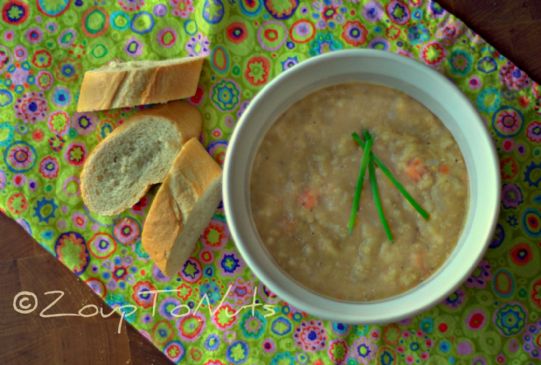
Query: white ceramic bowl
{"points": [[422, 83]]}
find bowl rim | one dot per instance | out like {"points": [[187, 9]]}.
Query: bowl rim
{"points": [[343, 312]]}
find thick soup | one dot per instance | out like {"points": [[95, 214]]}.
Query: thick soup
{"points": [[303, 183]]}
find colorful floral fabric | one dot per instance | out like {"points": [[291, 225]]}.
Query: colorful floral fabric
{"points": [[46, 46]]}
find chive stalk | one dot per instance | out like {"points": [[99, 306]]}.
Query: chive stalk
{"points": [[359, 185], [377, 199], [393, 180]]}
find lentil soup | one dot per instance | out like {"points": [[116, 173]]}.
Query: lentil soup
{"points": [[303, 181]]}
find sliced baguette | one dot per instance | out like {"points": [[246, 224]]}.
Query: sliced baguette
{"points": [[136, 155], [182, 208], [118, 85]]}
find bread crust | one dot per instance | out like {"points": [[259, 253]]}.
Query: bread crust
{"points": [[193, 173], [186, 119], [162, 82], [98, 92]]}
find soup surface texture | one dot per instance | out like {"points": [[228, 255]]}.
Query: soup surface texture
{"points": [[303, 181]]}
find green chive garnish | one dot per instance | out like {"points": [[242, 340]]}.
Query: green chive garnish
{"points": [[377, 199], [359, 186], [391, 177]]}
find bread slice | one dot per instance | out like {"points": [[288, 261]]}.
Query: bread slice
{"points": [[182, 208], [135, 155], [118, 85]]}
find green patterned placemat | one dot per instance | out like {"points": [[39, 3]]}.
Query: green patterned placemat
{"points": [[46, 46]]}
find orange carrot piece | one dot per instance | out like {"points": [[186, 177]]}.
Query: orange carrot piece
{"points": [[308, 199], [444, 169], [415, 169]]}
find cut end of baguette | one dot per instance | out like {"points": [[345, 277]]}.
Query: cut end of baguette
{"points": [[136, 155], [182, 208], [120, 174]]}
